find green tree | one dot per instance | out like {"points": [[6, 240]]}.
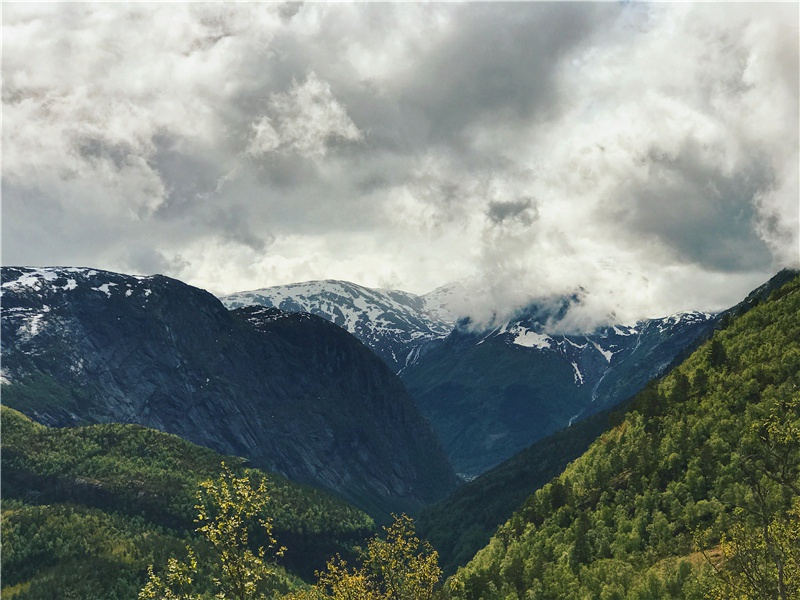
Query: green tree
{"points": [[399, 567], [761, 550], [229, 509], [760, 562]]}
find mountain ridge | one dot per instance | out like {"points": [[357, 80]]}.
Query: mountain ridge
{"points": [[396, 325], [84, 345]]}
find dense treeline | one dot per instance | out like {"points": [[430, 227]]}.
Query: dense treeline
{"points": [[69, 551], [706, 461], [135, 469], [137, 487]]}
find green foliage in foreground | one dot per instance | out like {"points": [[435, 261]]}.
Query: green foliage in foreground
{"points": [[229, 509], [707, 459], [398, 567]]}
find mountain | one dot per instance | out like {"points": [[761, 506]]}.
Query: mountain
{"points": [[396, 325], [462, 523], [707, 458], [291, 392], [489, 394], [135, 472]]}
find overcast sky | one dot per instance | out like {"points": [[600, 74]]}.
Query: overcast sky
{"points": [[648, 153]]}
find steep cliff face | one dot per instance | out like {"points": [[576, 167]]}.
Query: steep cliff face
{"points": [[293, 393]]}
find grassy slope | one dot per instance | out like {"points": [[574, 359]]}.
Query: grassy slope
{"points": [[616, 523]]}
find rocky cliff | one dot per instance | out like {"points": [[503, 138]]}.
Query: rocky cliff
{"points": [[293, 393]]}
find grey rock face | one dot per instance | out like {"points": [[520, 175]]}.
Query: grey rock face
{"points": [[293, 393]]}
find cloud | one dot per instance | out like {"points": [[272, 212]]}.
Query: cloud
{"points": [[307, 118], [647, 153], [522, 210]]}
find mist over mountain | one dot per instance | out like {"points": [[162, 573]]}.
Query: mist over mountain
{"points": [[491, 393]]}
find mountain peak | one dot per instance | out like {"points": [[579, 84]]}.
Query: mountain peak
{"points": [[395, 324]]}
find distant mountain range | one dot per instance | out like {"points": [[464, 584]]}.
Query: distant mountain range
{"points": [[491, 392], [291, 392]]}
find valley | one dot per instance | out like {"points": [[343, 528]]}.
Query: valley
{"points": [[489, 393], [101, 370]]}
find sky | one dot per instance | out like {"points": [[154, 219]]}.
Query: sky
{"points": [[645, 154]]}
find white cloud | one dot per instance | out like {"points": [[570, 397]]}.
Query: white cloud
{"points": [[307, 118], [637, 150]]}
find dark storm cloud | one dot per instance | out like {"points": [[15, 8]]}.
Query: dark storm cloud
{"points": [[190, 179], [148, 260], [522, 210], [94, 149], [289, 10], [238, 228], [706, 216], [499, 62]]}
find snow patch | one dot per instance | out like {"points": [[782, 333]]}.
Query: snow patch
{"points": [[578, 375], [33, 327], [105, 288], [530, 339], [575, 345], [607, 354]]}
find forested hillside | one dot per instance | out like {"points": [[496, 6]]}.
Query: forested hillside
{"points": [[463, 523], [87, 509], [703, 470]]}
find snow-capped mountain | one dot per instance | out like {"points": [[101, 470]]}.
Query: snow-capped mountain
{"points": [[594, 355], [491, 393], [291, 392], [396, 325]]}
